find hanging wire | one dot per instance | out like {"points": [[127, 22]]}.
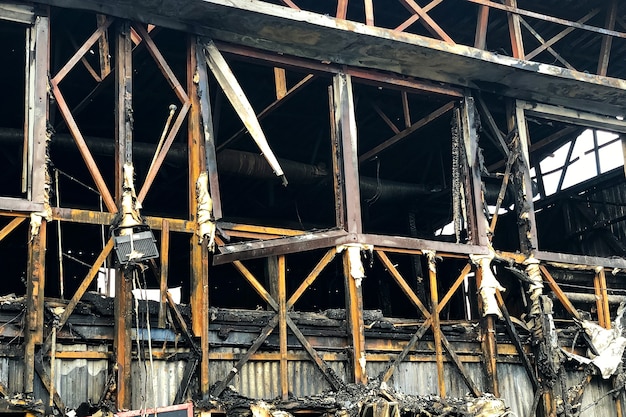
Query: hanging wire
{"points": [[137, 339], [148, 329], [60, 247]]}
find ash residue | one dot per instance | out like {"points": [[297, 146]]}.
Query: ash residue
{"points": [[355, 400]]}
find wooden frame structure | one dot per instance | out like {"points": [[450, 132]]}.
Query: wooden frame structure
{"points": [[457, 94]]}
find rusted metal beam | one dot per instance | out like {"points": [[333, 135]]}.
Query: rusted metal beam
{"points": [[603, 298], [281, 246], [34, 320], [336, 155], [436, 326], [406, 289], [465, 376], [406, 132], [306, 283], [605, 49], [342, 9], [202, 91], [11, 204], [385, 118], [229, 84], [406, 110], [443, 249], [12, 225], [103, 49], [44, 376], [85, 47], [541, 40], [84, 150], [269, 109], [427, 21], [219, 388], [512, 8], [84, 286], [322, 366], [480, 38], [98, 217], [515, 31], [517, 342], [123, 154], [559, 35], [488, 343], [369, 12], [560, 295]]}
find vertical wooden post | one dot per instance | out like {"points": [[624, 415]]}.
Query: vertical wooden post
{"points": [[199, 252], [515, 31], [607, 40], [282, 325], [123, 154], [434, 305], [354, 316], [345, 128]]}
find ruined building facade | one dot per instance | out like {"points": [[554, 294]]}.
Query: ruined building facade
{"points": [[426, 198]]}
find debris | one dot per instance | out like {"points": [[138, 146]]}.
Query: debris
{"points": [[609, 343], [372, 400]]}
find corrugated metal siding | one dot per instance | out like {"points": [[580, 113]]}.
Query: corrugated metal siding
{"points": [[595, 391], [80, 380], [12, 374], [515, 388], [156, 389], [420, 378], [261, 379]]}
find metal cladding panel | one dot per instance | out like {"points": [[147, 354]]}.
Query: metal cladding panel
{"points": [[261, 379], [12, 374], [515, 388], [155, 383], [420, 378], [80, 380], [596, 400]]}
